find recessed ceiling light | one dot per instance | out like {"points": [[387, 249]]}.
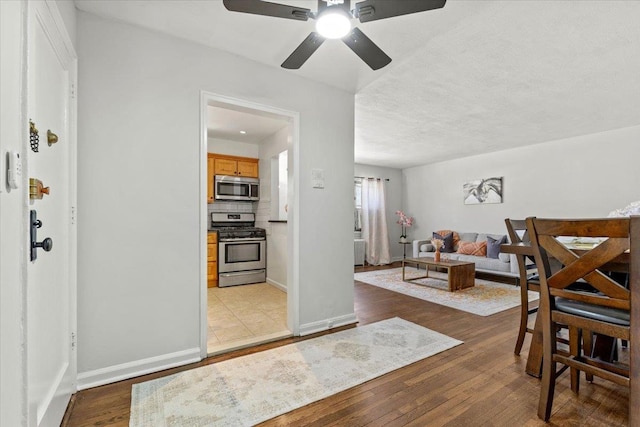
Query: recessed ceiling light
{"points": [[243, 132]]}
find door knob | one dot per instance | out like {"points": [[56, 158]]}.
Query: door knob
{"points": [[46, 244]]}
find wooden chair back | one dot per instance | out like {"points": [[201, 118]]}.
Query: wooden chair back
{"points": [[518, 233], [605, 310], [587, 264]]}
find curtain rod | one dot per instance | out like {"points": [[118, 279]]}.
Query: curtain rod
{"points": [[368, 177]]}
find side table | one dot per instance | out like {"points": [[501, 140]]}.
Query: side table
{"points": [[404, 249]]}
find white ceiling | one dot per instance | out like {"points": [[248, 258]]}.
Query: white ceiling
{"points": [[228, 122], [473, 77]]}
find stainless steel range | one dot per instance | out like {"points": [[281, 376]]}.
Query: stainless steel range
{"points": [[242, 249]]}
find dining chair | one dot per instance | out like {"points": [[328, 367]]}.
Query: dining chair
{"points": [[528, 281], [605, 312]]}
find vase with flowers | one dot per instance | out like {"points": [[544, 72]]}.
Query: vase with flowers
{"points": [[437, 243], [405, 221]]}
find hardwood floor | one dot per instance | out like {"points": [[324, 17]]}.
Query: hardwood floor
{"points": [[479, 383]]}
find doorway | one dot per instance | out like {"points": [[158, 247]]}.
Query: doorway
{"points": [[245, 315]]}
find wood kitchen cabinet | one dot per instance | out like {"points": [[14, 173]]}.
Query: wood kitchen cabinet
{"points": [[235, 166], [248, 169], [212, 260]]}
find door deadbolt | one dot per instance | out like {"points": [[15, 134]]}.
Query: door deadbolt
{"points": [[46, 244]]}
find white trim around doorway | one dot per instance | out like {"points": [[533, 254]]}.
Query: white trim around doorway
{"points": [[293, 317]]}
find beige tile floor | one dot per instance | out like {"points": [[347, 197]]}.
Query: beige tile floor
{"points": [[241, 316]]}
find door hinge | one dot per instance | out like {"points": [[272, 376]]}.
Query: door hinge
{"points": [[72, 91], [73, 215], [73, 341]]}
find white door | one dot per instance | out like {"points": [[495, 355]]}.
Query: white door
{"points": [[50, 292]]}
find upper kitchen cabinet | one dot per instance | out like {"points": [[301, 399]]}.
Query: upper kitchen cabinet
{"points": [[235, 166]]}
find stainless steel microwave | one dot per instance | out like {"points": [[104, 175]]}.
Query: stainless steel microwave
{"points": [[236, 188]]}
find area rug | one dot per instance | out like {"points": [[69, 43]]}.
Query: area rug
{"points": [[484, 299], [251, 389]]}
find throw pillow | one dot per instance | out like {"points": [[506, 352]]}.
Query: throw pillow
{"points": [[456, 238], [427, 248], [447, 246], [493, 246], [472, 248]]}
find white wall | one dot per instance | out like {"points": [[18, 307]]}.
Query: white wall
{"points": [[269, 147], [12, 220], [68, 12], [139, 193], [393, 198], [276, 232], [277, 255], [232, 148], [586, 176]]}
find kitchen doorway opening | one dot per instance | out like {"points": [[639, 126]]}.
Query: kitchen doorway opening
{"points": [[247, 307]]}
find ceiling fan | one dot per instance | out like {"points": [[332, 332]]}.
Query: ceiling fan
{"points": [[334, 22]]}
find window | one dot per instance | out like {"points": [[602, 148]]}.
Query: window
{"points": [[357, 197]]}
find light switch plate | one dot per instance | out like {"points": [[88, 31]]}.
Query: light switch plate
{"points": [[317, 178]]}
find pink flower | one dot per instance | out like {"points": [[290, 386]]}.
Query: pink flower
{"points": [[404, 220]]}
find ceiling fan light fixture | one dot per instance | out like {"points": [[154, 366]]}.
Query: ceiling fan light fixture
{"points": [[333, 24]]}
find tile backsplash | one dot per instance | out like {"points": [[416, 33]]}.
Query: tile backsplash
{"points": [[230, 207]]}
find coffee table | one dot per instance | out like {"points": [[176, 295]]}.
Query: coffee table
{"points": [[460, 274]]}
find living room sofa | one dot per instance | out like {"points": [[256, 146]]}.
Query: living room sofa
{"points": [[505, 265]]}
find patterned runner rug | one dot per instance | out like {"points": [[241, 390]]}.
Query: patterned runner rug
{"points": [[484, 299], [251, 389]]}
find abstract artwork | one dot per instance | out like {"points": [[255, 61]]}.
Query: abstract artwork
{"points": [[483, 191]]}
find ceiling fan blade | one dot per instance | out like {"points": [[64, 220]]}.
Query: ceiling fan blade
{"points": [[303, 52], [372, 10], [258, 7], [367, 50]]}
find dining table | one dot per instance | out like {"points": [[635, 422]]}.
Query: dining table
{"points": [[629, 263]]}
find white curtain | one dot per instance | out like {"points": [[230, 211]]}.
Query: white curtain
{"points": [[374, 222]]}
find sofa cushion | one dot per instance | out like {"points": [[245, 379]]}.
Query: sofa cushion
{"points": [[493, 246], [472, 248], [504, 257], [468, 237], [482, 237], [486, 264], [447, 245]]}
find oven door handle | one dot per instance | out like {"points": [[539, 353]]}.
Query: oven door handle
{"points": [[242, 239]]}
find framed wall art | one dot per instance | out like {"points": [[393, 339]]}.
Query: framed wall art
{"points": [[483, 191]]}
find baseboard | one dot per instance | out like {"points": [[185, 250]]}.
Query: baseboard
{"points": [[57, 398], [323, 325], [278, 285], [137, 368]]}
